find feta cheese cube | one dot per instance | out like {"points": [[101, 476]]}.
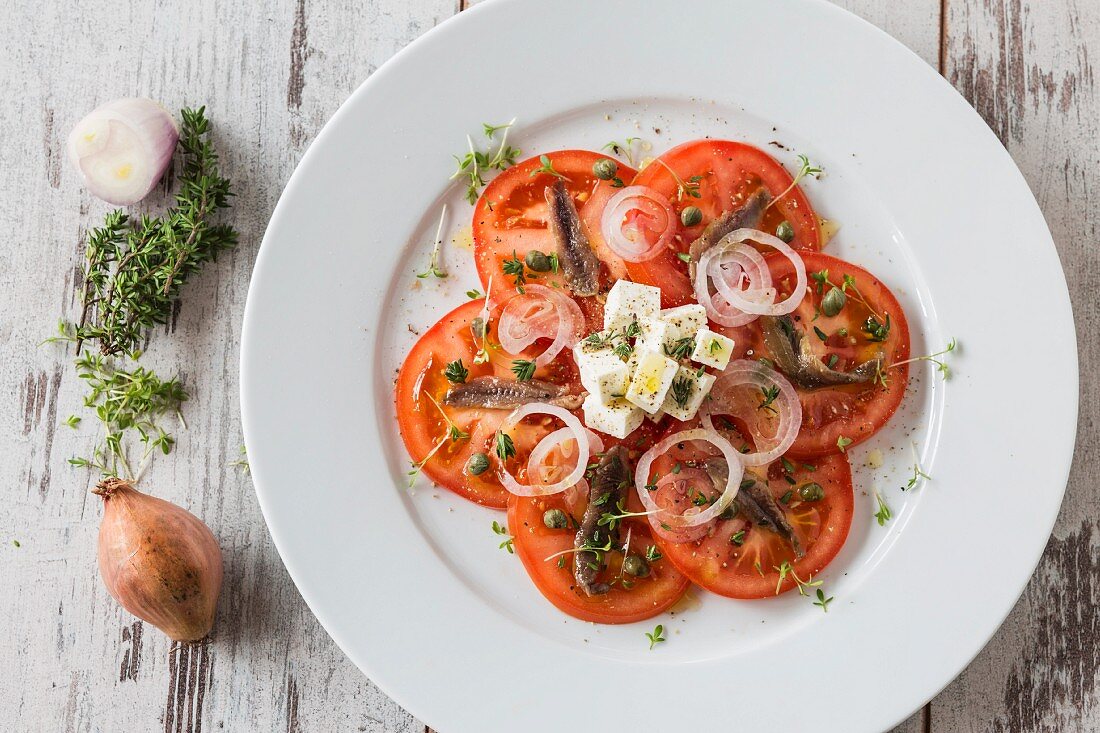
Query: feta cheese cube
{"points": [[653, 334], [602, 372], [652, 378], [684, 321], [712, 349], [618, 419], [627, 301], [692, 388]]}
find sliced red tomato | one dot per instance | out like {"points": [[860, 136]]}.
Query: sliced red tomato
{"points": [[727, 172], [852, 412], [423, 425], [510, 219], [547, 557], [741, 560]]}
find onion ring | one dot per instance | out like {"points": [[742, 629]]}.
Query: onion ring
{"points": [[731, 262], [653, 215], [681, 521], [579, 434], [787, 408], [540, 312]]}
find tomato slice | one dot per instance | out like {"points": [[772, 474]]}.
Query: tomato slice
{"points": [[510, 219], [630, 598], [857, 411], [728, 172], [741, 560], [423, 427]]}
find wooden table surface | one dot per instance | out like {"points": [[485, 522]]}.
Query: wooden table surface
{"points": [[271, 74]]}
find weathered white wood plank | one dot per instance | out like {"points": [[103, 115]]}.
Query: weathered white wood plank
{"points": [[270, 77], [1027, 68], [270, 74]]}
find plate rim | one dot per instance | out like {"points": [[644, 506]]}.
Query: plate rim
{"points": [[469, 16]]}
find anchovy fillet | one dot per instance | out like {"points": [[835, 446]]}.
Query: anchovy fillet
{"points": [[505, 394], [745, 216], [795, 358], [579, 264], [756, 502], [608, 481]]}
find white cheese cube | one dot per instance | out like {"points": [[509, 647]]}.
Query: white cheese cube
{"points": [[602, 372], [618, 419], [653, 334], [684, 322], [627, 301], [651, 380], [692, 388], [712, 349]]}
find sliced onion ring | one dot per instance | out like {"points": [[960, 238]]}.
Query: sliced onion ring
{"points": [[653, 213], [679, 521], [558, 439], [519, 326], [578, 433], [787, 406], [732, 261]]}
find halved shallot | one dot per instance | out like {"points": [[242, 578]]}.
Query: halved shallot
{"points": [[578, 433], [743, 288], [694, 515], [123, 147], [540, 313], [761, 399], [638, 223]]}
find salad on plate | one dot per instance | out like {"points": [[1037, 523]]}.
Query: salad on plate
{"points": [[660, 379]]}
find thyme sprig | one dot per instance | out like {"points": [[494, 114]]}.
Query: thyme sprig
{"points": [[136, 266]]}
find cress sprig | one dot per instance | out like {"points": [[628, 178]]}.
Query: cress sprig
{"points": [[124, 401], [474, 163]]}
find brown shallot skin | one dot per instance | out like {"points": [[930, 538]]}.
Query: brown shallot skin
{"points": [[159, 561]]}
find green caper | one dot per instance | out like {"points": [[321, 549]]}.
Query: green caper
{"points": [[785, 231], [635, 565], [555, 519], [477, 464], [691, 216], [605, 169], [731, 511], [842, 332], [537, 261], [811, 491], [833, 301]]}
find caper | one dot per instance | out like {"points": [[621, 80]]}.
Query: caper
{"points": [[842, 332], [691, 216], [605, 169], [555, 519], [833, 301], [811, 491], [477, 464], [731, 511], [785, 231], [635, 565], [537, 261]]}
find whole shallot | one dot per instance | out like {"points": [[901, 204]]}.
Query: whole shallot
{"points": [[159, 561]]}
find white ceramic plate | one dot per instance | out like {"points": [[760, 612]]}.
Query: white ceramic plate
{"points": [[412, 586]]}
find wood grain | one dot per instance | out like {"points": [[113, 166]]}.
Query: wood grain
{"points": [[271, 74]]}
